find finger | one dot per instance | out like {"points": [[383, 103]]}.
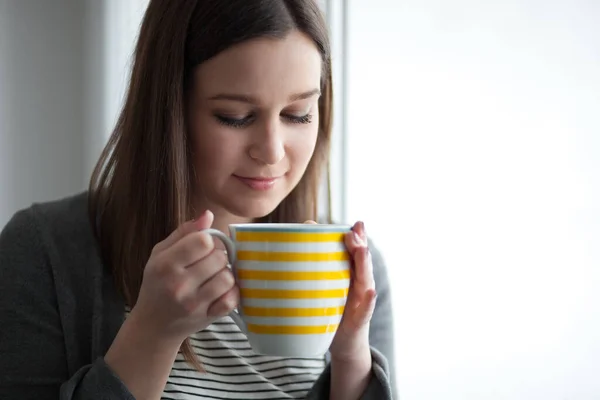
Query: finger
{"points": [[353, 242], [202, 271], [358, 310], [189, 250], [363, 313], [364, 269], [187, 282], [205, 220], [353, 300], [224, 304], [310, 221], [214, 288], [181, 231], [359, 228]]}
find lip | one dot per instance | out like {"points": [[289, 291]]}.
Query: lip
{"points": [[258, 183]]}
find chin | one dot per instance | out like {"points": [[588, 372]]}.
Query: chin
{"points": [[253, 209]]}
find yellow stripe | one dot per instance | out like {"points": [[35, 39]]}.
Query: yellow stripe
{"points": [[292, 329], [293, 294], [289, 237], [293, 312], [287, 257], [293, 275]]}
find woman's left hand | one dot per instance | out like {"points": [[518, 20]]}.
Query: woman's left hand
{"points": [[352, 337], [351, 340]]}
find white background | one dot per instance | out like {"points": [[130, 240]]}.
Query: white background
{"points": [[474, 156], [63, 70]]}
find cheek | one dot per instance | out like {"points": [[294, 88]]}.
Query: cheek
{"points": [[213, 148], [303, 145]]}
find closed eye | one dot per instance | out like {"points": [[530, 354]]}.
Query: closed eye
{"points": [[246, 121], [303, 119], [234, 122]]}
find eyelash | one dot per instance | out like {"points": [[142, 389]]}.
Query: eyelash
{"points": [[243, 122]]}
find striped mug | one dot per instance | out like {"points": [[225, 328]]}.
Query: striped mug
{"points": [[293, 280]]}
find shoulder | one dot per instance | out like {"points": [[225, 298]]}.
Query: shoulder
{"points": [[27, 253], [45, 230], [63, 216], [60, 212], [65, 223]]}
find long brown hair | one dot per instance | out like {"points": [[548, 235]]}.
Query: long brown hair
{"points": [[142, 186]]}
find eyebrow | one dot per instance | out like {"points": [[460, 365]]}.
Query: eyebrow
{"points": [[251, 100]]}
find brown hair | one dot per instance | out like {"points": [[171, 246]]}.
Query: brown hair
{"points": [[142, 186]]}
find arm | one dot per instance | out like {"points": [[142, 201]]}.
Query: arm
{"points": [[379, 380], [145, 367], [350, 377], [34, 360], [381, 333]]}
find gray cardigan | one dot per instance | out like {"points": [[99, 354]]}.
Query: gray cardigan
{"points": [[60, 312]]}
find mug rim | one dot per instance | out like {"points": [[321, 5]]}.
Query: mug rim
{"points": [[281, 226]]}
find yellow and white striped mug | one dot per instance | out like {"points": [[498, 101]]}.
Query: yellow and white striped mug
{"points": [[293, 280]]}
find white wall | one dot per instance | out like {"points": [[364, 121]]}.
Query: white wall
{"points": [[40, 101], [474, 157], [111, 32], [63, 71]]}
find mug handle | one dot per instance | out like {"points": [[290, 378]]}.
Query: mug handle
{"points": [[231, 256]]}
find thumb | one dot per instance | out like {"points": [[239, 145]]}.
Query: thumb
{"points": [[204, 221]]}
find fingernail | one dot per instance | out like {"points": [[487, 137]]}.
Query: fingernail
{"points": [[362, 228], [357, 239]]}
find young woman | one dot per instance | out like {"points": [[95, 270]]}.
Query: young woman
{"points": [[115, 294]]}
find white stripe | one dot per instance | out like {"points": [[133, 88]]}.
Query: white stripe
{"points": [[224, 337], [288, 303], [199, 393], [240, 354], [220, 343], [238, 386], [301, 285], [222, 329], [300, 247], [294, 266], [287, 321], [233, 360], [226, 380], [269, 370]]}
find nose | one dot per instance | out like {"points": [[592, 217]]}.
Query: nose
{"points": [[268, 145]]}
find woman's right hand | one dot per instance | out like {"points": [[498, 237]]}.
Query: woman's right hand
{"points": [[186, 283]]}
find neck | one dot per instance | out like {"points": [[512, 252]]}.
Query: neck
{"points": [[223, 219]]}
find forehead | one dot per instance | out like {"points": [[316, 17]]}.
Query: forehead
{"points": [[266, 68]]}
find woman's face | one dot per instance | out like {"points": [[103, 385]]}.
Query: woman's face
{"points": [[254, 120]]}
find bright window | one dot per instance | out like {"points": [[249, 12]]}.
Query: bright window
{"points": [[473, 154]]}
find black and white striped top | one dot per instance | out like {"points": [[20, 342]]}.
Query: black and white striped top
{"points": [[235, 371]]}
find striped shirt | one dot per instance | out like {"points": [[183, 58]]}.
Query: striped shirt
{"points": [[235, 371]]}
